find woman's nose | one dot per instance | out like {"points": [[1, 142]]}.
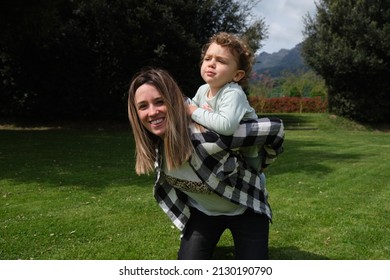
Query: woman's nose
{"points": [[153, 110]]}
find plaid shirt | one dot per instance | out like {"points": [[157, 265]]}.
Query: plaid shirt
{"points": [[222, 169]]}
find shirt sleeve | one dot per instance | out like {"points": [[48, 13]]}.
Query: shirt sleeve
{"points": [[196, 98], [232, 107], [266, 132]]}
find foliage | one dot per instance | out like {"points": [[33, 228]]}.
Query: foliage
{"points": [[261, 84], [261, 87], [75, 59], [284, 94], [303, 84], [288, 104], [72, 194], [348, 44]]}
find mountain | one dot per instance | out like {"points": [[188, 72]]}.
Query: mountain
{"points": [[278, 62]]}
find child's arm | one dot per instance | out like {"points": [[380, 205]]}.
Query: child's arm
{"points": [[232, 106], [193, 105]]}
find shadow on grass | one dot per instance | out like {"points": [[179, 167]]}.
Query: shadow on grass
{"points": [[296, 121], [95, 159], [293, 253], [312, 157], [59, 158], [282, 253]]}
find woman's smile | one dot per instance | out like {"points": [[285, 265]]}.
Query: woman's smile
{"points": [[151, 109]]}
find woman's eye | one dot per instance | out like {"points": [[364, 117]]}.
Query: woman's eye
{"points": [[141, 107]]}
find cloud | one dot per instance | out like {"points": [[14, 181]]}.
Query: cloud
{"points": [[284, 19]]}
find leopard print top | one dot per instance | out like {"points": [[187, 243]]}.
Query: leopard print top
{"points": [[188, 186]]}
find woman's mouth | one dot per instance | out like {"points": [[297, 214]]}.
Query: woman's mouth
{"points": [[156, 122]]}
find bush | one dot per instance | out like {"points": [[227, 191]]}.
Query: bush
{"points": [[288, 104]]}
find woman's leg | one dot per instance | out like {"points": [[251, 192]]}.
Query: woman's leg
{"points": [[250, 233], [200, 237]]}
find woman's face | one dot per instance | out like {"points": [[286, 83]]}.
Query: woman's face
{"points": [[151, 109]]}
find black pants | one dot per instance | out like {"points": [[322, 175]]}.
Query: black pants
{"points": [[250, 234]]}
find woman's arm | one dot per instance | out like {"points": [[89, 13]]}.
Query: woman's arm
{"points": [[265, 132], [268, 133]]}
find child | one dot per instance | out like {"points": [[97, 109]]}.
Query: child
{"points": [[221, 103]]}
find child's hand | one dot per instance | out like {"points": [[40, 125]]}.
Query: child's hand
{"points": [[207, 107], [191, 108]]}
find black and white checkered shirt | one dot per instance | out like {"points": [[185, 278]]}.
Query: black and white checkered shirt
{"points": [[222, 169]]}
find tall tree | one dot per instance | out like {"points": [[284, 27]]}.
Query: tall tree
{"points": [[75, 58], [348, 44]]}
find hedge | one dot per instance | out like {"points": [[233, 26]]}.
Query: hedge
{"points": [[288, 104]]}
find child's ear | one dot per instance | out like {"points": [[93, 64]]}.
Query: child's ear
{"points": [[239, 75]]}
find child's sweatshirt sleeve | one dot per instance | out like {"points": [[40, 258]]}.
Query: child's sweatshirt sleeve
{"points": [[232, 105]]}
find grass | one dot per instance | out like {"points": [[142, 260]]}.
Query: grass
{"points": [[71, 193]]}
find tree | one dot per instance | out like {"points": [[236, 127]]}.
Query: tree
{"points": [[303, 84], [61, 58], [348, 44], [261, 87]]}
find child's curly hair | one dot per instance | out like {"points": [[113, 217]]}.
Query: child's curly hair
{"points": [[239, 48]]}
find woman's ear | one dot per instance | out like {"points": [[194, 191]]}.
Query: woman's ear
{"points": [[239, 75]]}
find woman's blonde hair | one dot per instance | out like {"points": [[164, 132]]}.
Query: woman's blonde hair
{"points": [[176, 143], [239, 47]]}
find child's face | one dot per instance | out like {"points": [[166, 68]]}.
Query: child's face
{"points": [[219, 67]]}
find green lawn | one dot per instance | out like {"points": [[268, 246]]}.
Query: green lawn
{"points": [[71, 193]]}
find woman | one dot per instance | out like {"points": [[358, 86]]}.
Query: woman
{"points": [[202, 184]]}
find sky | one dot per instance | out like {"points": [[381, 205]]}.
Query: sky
{"points": [[284, 19]]}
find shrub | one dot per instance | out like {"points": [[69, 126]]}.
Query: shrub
{"points": [[288, 104]]}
